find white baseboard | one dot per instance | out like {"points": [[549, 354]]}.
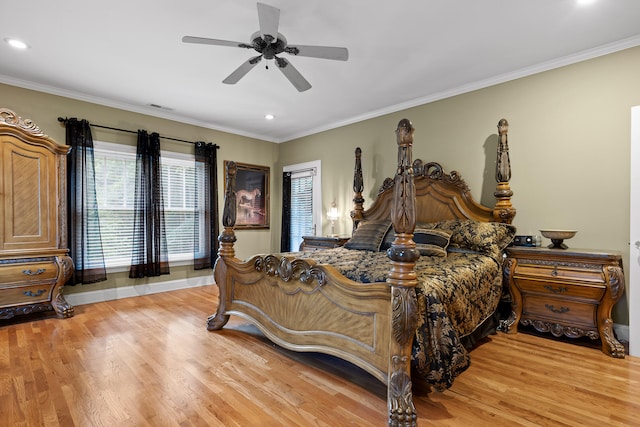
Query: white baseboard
{"points": [[90, 297]]}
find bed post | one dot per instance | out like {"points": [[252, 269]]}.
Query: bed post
{"points": [[504, 210], [403, 279], [358, 187], [226, 250]]}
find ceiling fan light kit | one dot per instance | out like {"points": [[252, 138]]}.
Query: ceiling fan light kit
{"points": [[269, 43]]}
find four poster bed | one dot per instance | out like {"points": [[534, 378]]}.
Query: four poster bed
{"points": [[384, 302]]}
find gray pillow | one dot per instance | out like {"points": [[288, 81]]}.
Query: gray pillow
{"points": [[369, 234]]}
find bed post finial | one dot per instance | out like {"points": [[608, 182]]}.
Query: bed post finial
{"points": [[228, 237], [358, 187], [403, 279], [504, 210]]}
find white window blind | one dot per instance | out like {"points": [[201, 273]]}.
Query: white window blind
{"points": [[115, 190], [302, 223]]}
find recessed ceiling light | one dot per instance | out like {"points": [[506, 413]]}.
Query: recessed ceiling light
{"points": [[269, 116], [585, 2], [18, 44]]}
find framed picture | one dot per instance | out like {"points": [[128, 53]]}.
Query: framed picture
{"points": [[252, 196]]}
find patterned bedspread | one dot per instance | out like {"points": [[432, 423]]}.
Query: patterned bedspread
{"points": [[455, 294]]}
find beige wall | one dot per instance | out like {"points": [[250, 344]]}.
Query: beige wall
{"points": [[569, 142], [44, 110]]}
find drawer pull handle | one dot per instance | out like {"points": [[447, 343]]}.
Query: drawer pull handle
{"points": [[558, 290], [29, 272], [556, 310], [37, 294], [554, 273]]}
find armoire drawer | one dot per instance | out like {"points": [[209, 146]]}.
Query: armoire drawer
{"points": [[28, 294], [37, 271]]}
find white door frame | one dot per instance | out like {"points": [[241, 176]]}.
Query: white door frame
{"points": [[316, 167], [633, 292]]}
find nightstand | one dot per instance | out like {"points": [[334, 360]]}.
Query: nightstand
{"points": [[566, 292], [316, 243]]}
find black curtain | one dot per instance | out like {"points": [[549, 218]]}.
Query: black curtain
{"points": [[149, 254], [206, 173], [285, 237], [83, 219]]}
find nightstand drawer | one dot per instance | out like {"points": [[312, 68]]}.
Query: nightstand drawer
{"points": [[28, 272], [559, 272], [559, 310], [26, 294], [591, 292]]}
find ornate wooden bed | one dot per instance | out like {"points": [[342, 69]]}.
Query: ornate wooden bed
{"points": [[305, 304]]}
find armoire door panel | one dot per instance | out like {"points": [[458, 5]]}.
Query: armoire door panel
{"points": [[28, 185]]}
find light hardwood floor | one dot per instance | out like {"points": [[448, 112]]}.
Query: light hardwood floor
{"points": [[149, 361]]}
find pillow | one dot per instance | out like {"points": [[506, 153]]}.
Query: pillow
{"points": [[369, 234], [488, 238], [388, 239], [431, 242], [428, 241]]}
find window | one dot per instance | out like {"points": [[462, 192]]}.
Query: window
{"points": [[115, 166], [305, 212]]}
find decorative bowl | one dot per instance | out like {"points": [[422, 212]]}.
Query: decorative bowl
{"points": [[557, 236]]}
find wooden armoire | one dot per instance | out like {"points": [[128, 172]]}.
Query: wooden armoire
{"points": [[34, 259]]}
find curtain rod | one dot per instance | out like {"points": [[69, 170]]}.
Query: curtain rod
{"points": [[64, 120]]}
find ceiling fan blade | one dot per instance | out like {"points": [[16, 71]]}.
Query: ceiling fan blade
{"points": [[325, 52], [292, 74], [203, 40], [269, 18], [242, 70]]}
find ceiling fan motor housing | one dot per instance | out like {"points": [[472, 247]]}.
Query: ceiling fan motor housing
{"points": [[268, 49]]}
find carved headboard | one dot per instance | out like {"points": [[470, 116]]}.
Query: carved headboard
{"points": [[441, 195]]}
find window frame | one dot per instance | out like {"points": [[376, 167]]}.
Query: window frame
{"points": [[128, 152]]}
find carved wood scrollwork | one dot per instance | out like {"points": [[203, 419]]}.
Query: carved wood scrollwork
{"points": [[11, 118], [287, 270], [8, 313], [62, 307], [386, 184], [402, 411], [405, 306], [615, 348], [558, 330], [616, 281], [358, 188], [227, 238], [435, 171], [229, 211]]}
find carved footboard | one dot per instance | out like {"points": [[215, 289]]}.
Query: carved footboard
{"points": [[306, 307]]}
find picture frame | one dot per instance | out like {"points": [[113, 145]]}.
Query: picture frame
{"points": [[252, 196]]}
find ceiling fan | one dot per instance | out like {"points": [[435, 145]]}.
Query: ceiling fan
{"points": [[269, 43]]}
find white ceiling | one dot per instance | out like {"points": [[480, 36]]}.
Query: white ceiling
{"points": [[402, 53]]}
